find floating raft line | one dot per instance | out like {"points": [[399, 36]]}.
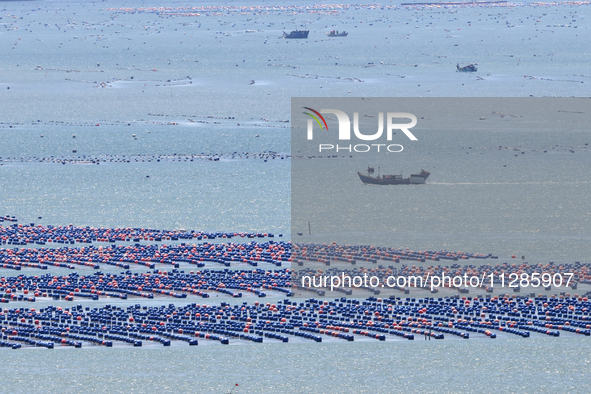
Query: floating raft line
{"points": [[175, 284], [19, 234], [315, 320], [236, 282], [456, 3], [353, 253], [225, 254], [125, 159]]}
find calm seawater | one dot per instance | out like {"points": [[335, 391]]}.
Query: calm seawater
{"points": [[506, 178], [226, 81]]}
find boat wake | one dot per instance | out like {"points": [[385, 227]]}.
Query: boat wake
{"points": [[509, 183]]}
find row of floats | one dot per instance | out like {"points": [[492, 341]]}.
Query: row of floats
{"points": [[175, 284], [324, 253], [118, 159], [53, 251], [313, 320], [31, 234], [221, 254], [235, 282]]}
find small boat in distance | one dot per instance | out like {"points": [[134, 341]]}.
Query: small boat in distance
{"points": [[335, 33], [414, 179], [470, 68], [296, 34]]}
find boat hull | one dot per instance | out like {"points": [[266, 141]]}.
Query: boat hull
{"points": [[385, 180], [344, 34], [297, 34], [415, 179], [470, 68]]}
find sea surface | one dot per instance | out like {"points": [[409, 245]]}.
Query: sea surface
{"points": [[188, 118]]}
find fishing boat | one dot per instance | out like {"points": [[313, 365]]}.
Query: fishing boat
{"points": [[414, 179], [470, 68], [296, 34], [335, 33]]}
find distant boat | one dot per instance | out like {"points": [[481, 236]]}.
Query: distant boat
{"points": [[414, 179], [296, 34], [470, 68], [335, 33]]}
